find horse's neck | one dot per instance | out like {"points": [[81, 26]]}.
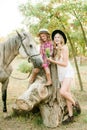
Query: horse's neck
{"points": [[10, 51]]}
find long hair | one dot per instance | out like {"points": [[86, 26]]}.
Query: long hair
{"points": [[48, 37], [57, 51]]}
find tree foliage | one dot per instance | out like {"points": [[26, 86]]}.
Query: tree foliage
{"points": [[47, 14]]}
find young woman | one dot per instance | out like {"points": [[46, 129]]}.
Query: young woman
{"points": [[65, 72], [46, 50]]}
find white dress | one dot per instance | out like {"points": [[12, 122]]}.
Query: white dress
{"points": [[65, 72]]}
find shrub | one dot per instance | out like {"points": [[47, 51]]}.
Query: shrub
{"points": [[25, 67]]}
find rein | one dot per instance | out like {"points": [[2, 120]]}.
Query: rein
{"points": [[20, 78], [29, 59]]}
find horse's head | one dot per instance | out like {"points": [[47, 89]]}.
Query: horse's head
{"points": [[29, 49]]}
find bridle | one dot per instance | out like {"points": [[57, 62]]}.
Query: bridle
{"points": [[29, 57]]}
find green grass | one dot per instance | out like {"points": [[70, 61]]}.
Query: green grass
{"points": [[33, 121]]}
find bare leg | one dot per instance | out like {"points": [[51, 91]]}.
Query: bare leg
{"points": [[64, 91], [48, 76], [33, 75], [69, 106]]}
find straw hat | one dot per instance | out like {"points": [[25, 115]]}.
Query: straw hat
{"points": [[43, 31]]}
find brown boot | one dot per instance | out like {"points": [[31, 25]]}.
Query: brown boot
{"points": [[70, 119], [77, 107]]}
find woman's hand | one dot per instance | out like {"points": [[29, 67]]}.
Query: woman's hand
{"points": [[50, 59]]}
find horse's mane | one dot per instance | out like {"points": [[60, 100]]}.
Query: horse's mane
{"points": [[11, 43], [9, 49]]}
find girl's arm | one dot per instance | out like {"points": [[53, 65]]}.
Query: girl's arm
{"points": [[65, 56], [41, 49]]}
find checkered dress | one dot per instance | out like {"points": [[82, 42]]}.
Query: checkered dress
{"points": [[43, 48]]}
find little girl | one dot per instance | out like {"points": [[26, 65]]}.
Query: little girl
{"points": [[46, 50], [65, 73]]}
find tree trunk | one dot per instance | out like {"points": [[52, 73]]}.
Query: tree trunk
{"points": [[33, 95], [48, 100]]}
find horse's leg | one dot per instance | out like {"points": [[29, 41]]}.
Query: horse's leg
{"points": [[4, 94]]}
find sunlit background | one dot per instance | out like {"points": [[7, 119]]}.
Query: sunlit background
{"points": [[10, 17]]}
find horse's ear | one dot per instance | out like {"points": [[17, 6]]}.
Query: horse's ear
{"points": [[19, 34], [24, 34]]}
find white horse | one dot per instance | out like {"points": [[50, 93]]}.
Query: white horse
{"points": [[9, 50]]}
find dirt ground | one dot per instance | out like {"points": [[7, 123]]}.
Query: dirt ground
{"points": [[33, 121]]}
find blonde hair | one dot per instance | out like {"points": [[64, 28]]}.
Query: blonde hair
{"points": [[57, 50], [62, 40], [48, 36]]}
